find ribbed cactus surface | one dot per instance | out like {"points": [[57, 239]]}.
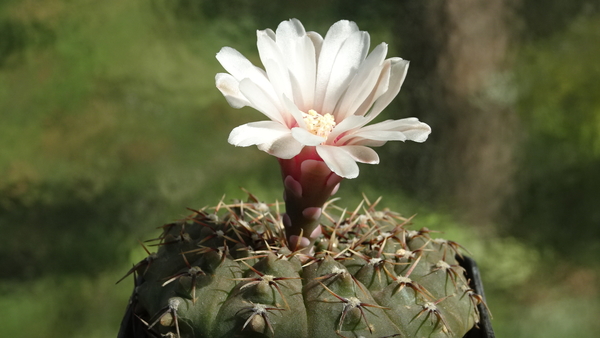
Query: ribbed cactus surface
{"points": [[227, 272]]}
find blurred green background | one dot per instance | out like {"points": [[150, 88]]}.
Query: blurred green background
{"points": [[111, 125]]}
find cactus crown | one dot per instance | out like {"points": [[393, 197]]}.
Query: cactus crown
{"points": [[229, 272]]}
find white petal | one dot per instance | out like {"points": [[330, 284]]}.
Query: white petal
{"points": [[379, 89], [262, 102], [375, 135], [275, 65], [270, 33], [367, 143], [235, 63], [350, 56], [397, 76], [290, 62], [414, 129], [295, 112], [280, 78], [418, 135], [349, 123], [238, 66], [303, 73], [317, 41], [299, 60], [285, 147], [230, 88], [363, 83], [390, 130], [287, 34], [257, 133], [362, 154], [305, 137], [339, 161], [333, 41]]}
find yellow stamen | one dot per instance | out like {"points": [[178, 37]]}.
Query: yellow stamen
{"points": [[317, 124]]}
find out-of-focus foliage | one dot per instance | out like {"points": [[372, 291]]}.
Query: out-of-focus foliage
{"points": [[110, 126], [108, 118], [557, 78]]}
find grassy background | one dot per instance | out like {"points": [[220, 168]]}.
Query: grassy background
{"points": [[111, 126]]}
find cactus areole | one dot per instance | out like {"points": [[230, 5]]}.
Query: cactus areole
{"points": [[249, 269]]}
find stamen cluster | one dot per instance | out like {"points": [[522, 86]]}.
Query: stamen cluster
{"points": [[317, 124]]}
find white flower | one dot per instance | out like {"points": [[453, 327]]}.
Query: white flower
{"points": [[318, 92]]}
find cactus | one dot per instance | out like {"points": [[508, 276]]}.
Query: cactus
{"points": [[246, 270], [229, 272]]}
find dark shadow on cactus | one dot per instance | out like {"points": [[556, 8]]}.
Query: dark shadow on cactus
{"points": [[484, 328]]}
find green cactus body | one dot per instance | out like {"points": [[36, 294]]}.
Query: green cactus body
{"points": [[228, 273]]}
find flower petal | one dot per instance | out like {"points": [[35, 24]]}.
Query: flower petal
{"points": [[362, 154], [418, 134], [257, 133], [375, 135], [366, 142], [390, 130], [381, 86], [338, 160], [305, 137], [349, 123], [333, 41], [275, 64], [290, 62], [230, 88], [362, 84], [285, 147], [414, 129], [350, 56], [317, 41], [294, 111], [303, 71], [399, 67], [287, 34], [241, 68], [236, 64], [262, 102]]}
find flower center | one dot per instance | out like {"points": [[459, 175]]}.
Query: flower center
{"points": [[317, 124]]}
